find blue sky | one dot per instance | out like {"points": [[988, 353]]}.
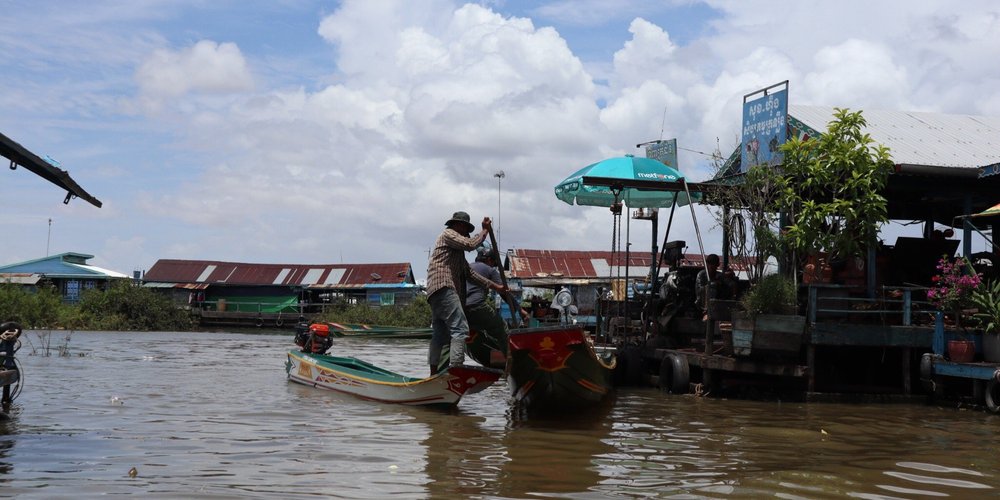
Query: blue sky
{"points": [[311, 132]]}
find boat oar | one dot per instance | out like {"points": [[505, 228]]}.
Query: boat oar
{"points": [[515, 310]]}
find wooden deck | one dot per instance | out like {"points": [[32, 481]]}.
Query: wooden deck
{"points": [[250, 319]]}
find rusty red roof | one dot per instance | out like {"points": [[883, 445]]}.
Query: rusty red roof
{"points": [[582, 264], [309, 275], [525, 263]]}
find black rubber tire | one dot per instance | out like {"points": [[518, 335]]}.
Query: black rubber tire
{"points": [[633, 365], [675, 376], [259, 322], [279, 322], [993, 396]]}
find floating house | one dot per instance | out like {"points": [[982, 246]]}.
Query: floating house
{"points": [[586, 273], [68, 272], [866, 329], [240, 292]]}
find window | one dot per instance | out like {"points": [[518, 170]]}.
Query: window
{"points": [[72, 290]]}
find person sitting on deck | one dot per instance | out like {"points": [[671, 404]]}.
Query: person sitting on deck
{"points": [[719, 285]]}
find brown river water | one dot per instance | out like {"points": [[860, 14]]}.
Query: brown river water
{"points": [[211, 415]]}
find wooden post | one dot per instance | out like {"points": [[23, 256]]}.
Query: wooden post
{"points": [[811, 361], [907, 385]]}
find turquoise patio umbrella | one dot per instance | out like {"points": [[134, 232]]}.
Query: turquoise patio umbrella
{"points": [[573, 190]]}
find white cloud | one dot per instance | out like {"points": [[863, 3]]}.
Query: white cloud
{"points": [[206, 67], [422, 102], [856, 74]]}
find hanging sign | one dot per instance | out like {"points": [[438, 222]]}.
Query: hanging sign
{"points": [[765, 128], [663, 151]]}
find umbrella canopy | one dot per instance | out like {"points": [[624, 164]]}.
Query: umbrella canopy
{"points": [[992, 211], [628, 167]]}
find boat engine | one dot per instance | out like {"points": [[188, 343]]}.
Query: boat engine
{"points": [[317, 340], [9, 333], [301, 334], [9, 344]]}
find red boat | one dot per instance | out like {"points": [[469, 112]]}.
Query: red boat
{"points": [[558, 368]]}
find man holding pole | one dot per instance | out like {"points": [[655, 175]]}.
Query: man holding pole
{"points": [[447, 272]]}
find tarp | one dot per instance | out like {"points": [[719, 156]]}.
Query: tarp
{"points": [[989, 212]]}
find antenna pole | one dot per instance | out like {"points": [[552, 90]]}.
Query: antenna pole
{"points": [[49, 238], [499, 175]]}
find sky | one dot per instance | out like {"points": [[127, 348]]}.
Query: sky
{"points": [[319, 132]]}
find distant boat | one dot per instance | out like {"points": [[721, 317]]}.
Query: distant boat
{"points": [[362, 379], [363, 330], [557, 368]]}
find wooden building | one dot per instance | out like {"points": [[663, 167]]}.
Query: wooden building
{"points": [[271, 293]]}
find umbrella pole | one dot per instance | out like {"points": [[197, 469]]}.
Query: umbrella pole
{"points": [[663, 249], [701, 248], [628, 256]]}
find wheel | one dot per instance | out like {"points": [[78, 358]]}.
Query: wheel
{"points": [[279, 322], [259, 322], [675, 376], [993, 396], [632, 369]]}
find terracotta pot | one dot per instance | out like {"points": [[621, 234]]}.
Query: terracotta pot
{"points": [[961, 351]]}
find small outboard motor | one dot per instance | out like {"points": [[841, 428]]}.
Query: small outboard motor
{"points": [[9, 344], [301, 333], [315, 340], [10, 331]]}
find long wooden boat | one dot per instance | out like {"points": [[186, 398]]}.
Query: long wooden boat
{"points": [[486, 350], [362, 379], [363, 330], [557, 368]]}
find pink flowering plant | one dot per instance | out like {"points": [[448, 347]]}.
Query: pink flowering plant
{"points": [[953, 285]]}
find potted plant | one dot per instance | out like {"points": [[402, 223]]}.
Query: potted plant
{"points": [[952, 292], [987, 300], [769, 323]]}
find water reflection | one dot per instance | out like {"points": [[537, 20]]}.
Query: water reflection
{"points": [[7, 424], [462, 456], [554, 455], [196, 424]]}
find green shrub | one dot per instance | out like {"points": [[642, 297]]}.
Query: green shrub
{"points": [[772, 295], [125, 306], [32, 309], [987, 300], [414, 315]]}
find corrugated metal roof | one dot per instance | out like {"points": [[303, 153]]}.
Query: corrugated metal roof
{"points": [[20, 278], [564, 266], [913, 138], [241, 273], [64, 265], [572, 264]]}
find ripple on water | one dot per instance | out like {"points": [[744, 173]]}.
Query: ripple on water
{"points": [[211, 415]]}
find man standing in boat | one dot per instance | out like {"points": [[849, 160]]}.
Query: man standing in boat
{"points": [[447, 272]]}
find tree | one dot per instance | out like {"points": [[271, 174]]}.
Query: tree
{"points": [[831, 189], [748, 211]]}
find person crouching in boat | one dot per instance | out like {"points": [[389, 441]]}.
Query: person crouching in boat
{"points": [[447, 272], [491, 348]]}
